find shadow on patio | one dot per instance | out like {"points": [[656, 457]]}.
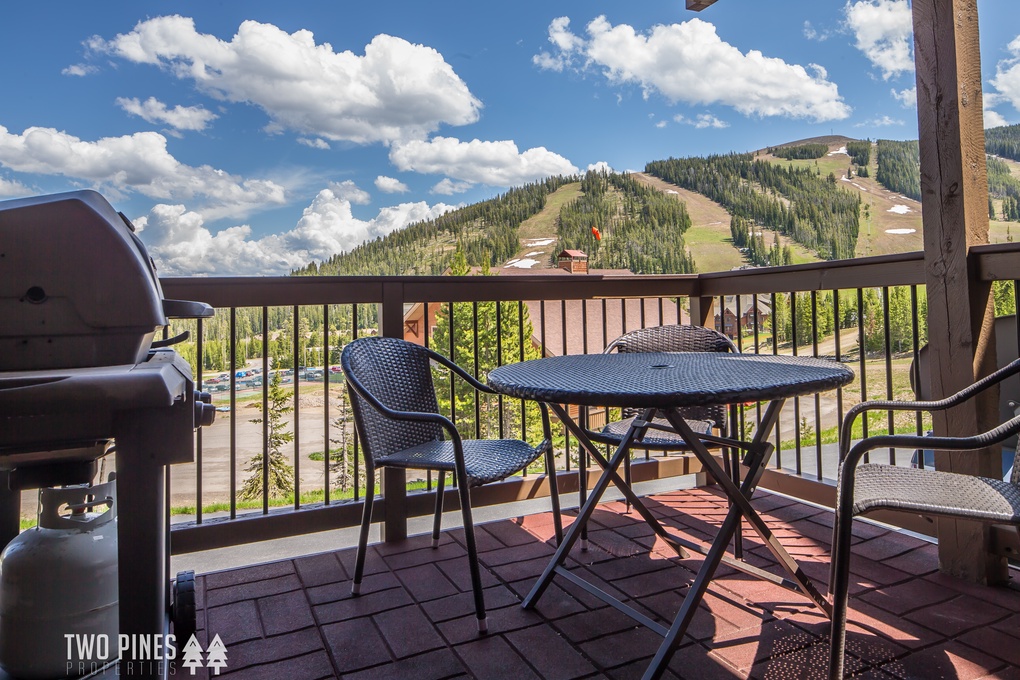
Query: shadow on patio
{"points": [[296, 618]]}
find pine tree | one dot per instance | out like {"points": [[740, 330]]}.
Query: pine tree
{"points": [[281, 473]]}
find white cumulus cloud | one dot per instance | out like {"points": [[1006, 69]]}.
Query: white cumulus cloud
{"points": [[139, 162], [10, 188], [702, 121], [690, 63], [390, 185], [1007, 77], [494, 163], [448, 187], [906, 97], [395, 91], [316, 143], [883, 30], [181, 244], [880, 121], [349, 191], [600, 166], [79, 70], [180, 117]]}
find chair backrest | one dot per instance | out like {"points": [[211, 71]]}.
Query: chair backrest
{"points": [[679, 338], [399, 375], [1009, 389]]}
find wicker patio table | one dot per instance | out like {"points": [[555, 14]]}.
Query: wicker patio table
{"points": [[659, 383]]}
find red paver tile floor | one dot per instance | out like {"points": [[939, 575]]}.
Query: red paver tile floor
{"points": [[296, 619]]}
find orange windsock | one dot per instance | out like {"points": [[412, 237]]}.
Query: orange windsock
{"points": [[596, 233]]}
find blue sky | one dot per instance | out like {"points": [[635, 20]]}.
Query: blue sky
{"points": [[250, 138]]}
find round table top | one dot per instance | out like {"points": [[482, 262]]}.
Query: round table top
{"points": [[667, 379]]}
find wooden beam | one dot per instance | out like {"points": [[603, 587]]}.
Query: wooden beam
{"points": [[954, 208], [698, 5]]}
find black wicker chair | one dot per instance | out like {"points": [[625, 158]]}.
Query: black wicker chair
{"points": [[863, 488], [397, 417], [660, 435]]}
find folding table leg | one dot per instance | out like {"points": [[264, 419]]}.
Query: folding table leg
{"points": [[585, 513]]}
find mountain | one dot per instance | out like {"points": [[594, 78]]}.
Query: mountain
{"points": [[830, 197]]}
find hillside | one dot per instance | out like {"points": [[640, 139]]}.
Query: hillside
{"points": [[823, 197]]}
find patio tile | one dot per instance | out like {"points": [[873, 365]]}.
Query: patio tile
{"points": [[355, 645], [263, 651], [745, 648], [372, 583], [590, 625], [415, 618], [493, 657], [426, 582], [553, 657], [505, 620], [952, 660], [407, 631], [235, 622], [623, 647], [365, 604], [244, 575], [510, 534], [462, 604], [957, 616], [442, 663], [314, 666], [903, 597], [317, 570], [285, 613], [251, 590], [994, 643]]}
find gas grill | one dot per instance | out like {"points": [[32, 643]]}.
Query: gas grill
{"points": [[81, 369]]}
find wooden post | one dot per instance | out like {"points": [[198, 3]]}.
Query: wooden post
{"points": [[954, 202], [703, 311]]}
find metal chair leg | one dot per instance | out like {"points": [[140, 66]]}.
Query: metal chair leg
{"points": [[840, 588], [366, 522], [469, 538], [437, 522]]}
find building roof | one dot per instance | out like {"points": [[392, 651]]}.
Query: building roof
{"points": [[573, 253]]}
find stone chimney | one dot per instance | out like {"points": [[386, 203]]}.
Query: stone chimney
{"points": [[573, 261]]}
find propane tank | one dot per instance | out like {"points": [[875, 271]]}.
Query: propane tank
{"points": [[59, 579]]}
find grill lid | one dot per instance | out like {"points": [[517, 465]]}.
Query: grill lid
{"points": [[77, 287]]}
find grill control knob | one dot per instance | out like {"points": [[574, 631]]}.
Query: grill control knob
{"points": [[205, 412]]}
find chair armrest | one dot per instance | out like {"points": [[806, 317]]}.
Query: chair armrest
{"points": [[973, 443], [963, 395], [470, 379]]}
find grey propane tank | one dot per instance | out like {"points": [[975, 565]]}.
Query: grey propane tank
{"points": [[60, 578]]}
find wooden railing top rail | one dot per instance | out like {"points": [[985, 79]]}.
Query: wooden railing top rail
{"points": [[995, 262]]}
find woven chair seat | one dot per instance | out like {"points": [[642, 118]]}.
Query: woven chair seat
{"points": [[486, 460], [615, 431], [936, 493]]}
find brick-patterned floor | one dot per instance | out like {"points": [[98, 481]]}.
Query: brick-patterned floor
{"points": [[296, 619]]}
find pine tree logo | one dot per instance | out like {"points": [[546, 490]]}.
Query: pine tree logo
{"points": [[191, 656], [216, 655]]}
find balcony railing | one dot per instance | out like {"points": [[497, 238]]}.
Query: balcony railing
{"points": [[828, 309]]}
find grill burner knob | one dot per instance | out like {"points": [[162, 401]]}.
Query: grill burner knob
{"points": [[205, 412]]}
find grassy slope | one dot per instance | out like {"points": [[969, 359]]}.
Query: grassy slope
{"points": [[874, 238], [999, 231], [543, 225], [709, 236]]}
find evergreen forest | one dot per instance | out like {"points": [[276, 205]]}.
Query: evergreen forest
{"points": [[797, 202]]}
